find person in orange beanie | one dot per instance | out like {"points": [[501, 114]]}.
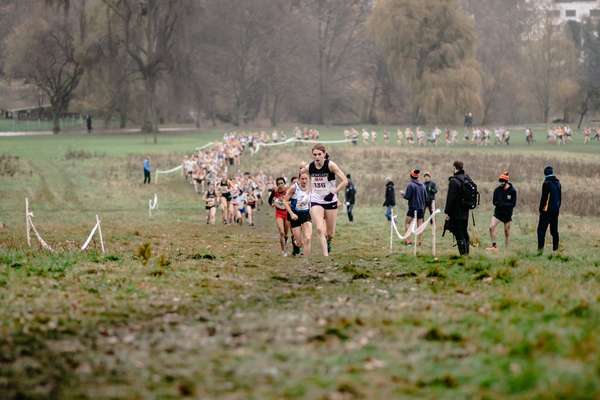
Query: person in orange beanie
{"points": [[504, 200]]}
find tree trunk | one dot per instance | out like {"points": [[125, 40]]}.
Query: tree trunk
{"points": [[149, 125], [123, 118], [275, 112], [55, 121], [372, 119], [582, 116]]}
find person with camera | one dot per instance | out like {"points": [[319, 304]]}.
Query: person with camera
{"points": [[462, 197]]}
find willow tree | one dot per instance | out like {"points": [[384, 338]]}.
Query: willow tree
{"points": [[430, 45]]}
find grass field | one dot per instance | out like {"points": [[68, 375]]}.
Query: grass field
{"points": [[217, 313]]}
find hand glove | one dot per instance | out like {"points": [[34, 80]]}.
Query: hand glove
{"points": [[329, 197]]}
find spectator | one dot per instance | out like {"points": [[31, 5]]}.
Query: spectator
{"points": [[430, 190], [350, 198], [416, 196], [390, 198], [549, 209], [88, 123], [457, 214], [147, 170], [504, 200]]}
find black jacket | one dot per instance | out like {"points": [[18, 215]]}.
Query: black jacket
{"points": [[390, 195], [430, 189], [551, 196], [350, 196], [454, 208], [505, 200]]}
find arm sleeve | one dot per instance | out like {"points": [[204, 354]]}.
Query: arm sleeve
{"points": [[451, 198], [514, 199], [408, 192], [434, 188], [495, 198], [544, 197]]}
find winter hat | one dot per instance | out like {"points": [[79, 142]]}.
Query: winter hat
{"points": [[427, 173], [548, 171], [504, 177]]}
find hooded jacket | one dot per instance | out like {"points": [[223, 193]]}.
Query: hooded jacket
{"points": [[505, 199], [551, 196], [454, 208], [415, 194]]}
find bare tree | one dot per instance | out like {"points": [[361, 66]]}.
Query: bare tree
{"points": [[339, 24], [150, 29], [48, 52]]}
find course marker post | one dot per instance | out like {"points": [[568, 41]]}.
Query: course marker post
{"points": [[415, 233], [27, 222], [100, 233], [433, 230]]}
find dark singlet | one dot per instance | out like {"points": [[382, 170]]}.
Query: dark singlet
{"points": [[323, 184]]}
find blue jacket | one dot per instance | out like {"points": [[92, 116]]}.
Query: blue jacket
{"points": [[415, 194], [551, 196], [147, 165]]}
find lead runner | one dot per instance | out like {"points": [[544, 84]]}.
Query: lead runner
{"points": [[323, 199]]}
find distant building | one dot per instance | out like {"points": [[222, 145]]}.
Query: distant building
{"points": [[573, 10]]}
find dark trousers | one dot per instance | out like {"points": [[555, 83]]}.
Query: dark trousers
{"points": [[428, 206], [146, 176], [349, 208], [545, 220], [461, 233]]}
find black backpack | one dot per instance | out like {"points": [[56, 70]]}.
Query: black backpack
{"points": [[469, 196]]}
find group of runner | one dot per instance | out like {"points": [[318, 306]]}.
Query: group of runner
{"points": [[311, 197]]}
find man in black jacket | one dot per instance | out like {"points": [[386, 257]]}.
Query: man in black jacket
{"points": [[549, 209], [390, 198], [350, 198], [457, 215], [504, 200]]}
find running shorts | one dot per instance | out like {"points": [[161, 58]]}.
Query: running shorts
{"points": [[303, 217], [328, 206], [411, 213]]}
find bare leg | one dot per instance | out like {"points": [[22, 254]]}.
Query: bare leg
{"points": [[506, 234], [282, 234], [493, 224], [420, 237], [407, 222], [317, 214], [307, 237]]}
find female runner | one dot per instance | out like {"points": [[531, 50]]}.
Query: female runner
{"points": [[299, 212], [281, 217], [210, 199], [323, 197], [225, 193]]}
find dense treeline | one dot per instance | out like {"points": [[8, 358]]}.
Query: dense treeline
{"points": [[311, 61]]}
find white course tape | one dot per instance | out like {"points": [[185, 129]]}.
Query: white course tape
{"points": [[30, 226], [168, 171], [205, 146], [294, 140], [98, 228], [152, 204], [413, 230]]}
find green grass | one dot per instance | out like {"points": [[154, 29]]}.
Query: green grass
{"points": [[10, 125], [217, 313]]}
